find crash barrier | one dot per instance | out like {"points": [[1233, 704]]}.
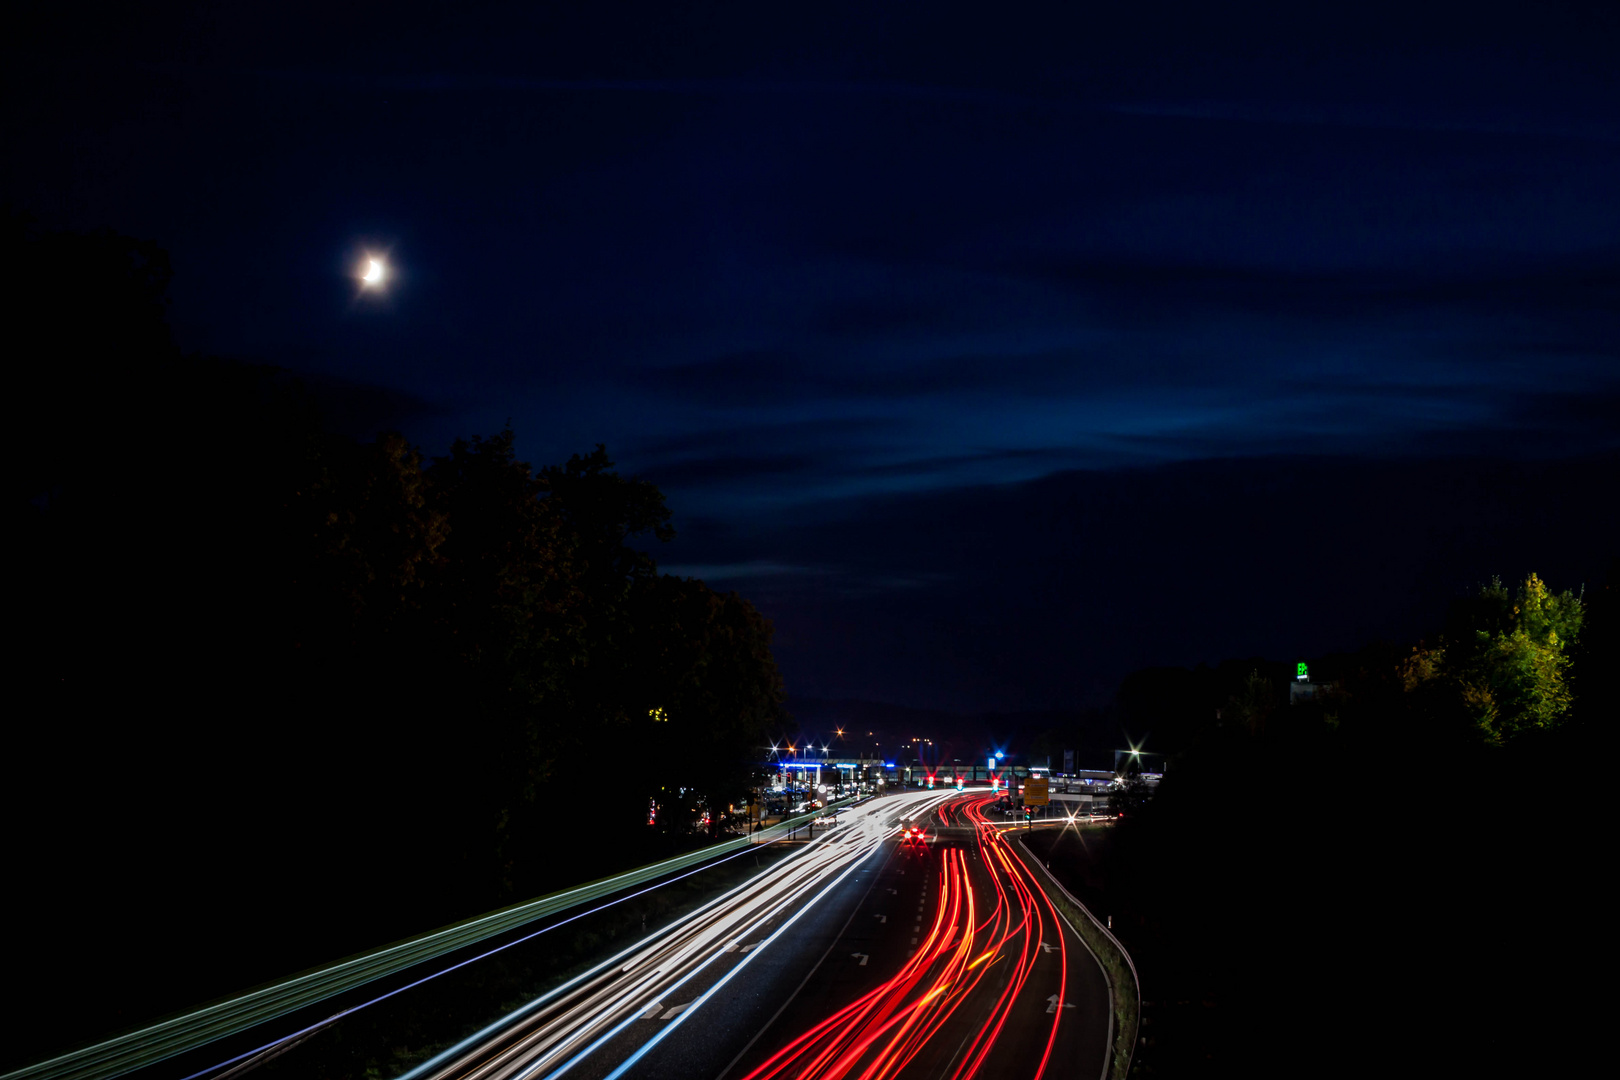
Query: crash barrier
{"points": [[1124, 988]]}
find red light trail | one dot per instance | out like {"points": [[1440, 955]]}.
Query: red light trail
{"points": [[982, 919]]}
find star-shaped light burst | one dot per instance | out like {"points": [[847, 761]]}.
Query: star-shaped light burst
{"points": [[374, 273]]}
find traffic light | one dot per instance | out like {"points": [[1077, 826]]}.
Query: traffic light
{"points": [[1029, 812]]}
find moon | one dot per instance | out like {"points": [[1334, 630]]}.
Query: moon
{"points": [[373, 273]]}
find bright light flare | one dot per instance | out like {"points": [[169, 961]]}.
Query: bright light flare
{"points": [[374, 273]]}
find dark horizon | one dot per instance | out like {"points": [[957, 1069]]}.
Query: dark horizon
{"points": [[801, 274]]}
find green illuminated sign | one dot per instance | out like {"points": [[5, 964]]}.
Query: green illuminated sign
{"points": [[1304, 672]]}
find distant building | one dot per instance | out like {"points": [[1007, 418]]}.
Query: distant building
{"points": [[1138, 761], [1302, 688]]}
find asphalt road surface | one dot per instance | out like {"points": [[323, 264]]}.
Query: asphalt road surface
{"points": [[865, 955]]}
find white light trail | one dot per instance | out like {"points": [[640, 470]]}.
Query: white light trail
{"points": [[558, 1030]]}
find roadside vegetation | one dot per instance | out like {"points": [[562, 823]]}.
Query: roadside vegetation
{"points": [[1399, 874]]}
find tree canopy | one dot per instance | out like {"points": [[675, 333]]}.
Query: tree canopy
{"points": [[1506, 657], [360, 689]]}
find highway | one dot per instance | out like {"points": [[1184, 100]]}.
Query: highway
{"points": [[864, 955]]}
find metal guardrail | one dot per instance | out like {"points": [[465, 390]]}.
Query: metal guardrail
{"points": [[176, 1035], [1109, 934]]}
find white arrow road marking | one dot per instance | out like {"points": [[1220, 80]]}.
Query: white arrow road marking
{"points": [[1046, 946], [676, 1011], [755, 945], [895, 891], [652, 1010], [1052, 1004], [862, 957], [881, 918]]}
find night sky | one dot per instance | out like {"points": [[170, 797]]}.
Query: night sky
{"points": [[991, 352]]}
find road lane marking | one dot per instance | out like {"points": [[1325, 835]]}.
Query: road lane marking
{"points": [[862, 957], [676, 1011], [641, 962], [631, 1061]]}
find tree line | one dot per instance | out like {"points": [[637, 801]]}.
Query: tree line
{"points": [[1409, 852], [288, 693]]}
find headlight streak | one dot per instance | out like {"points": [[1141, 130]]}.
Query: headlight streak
{"points": [[640, 947], [727, 977], [761, 909], [555, 1032], [882, 1032], [473, 960]]}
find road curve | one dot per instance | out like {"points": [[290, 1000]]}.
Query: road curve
{"points": [[863, 955], [605, 1021], [992, 982]]}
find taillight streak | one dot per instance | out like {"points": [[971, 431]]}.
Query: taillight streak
{"points": [[881, 1032]]}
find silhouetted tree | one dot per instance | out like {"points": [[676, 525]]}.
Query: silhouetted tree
{"points": [[1131, 798], [341, 689]]}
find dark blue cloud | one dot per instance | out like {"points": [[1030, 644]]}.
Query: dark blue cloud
{"points": [[787, 264], [1043, 594]]}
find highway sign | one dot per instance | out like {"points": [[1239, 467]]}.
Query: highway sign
{"points": [[1035, 791]]}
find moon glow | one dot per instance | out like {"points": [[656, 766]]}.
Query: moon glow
{"points": [[373, 274]]}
